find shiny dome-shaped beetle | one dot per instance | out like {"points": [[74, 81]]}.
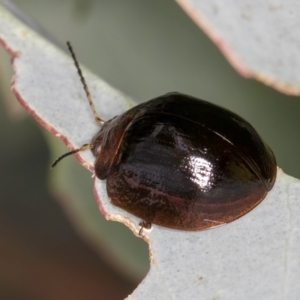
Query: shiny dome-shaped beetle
{"points": [[181, 162]]}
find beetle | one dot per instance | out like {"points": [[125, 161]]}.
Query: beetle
{"points": [[181, 162]]}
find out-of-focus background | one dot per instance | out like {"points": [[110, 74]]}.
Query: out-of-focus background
{"points": [[145, 49]]}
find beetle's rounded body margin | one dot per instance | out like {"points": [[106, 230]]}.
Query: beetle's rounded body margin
{"points": [[183, 163]]}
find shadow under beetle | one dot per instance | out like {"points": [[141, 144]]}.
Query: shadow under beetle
{"points": [[181, 162]]}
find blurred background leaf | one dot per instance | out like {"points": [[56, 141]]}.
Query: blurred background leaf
{"points": [[144, 49]]}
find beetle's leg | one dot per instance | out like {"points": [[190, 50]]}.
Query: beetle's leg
{"points": [[144, 224]]}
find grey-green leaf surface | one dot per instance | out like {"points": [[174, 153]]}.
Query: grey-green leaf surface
{"points": [[58, 102], [259, 38], [255, 257]]}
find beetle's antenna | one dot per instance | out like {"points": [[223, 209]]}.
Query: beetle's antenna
{"points": [[83, 147], [88, 95]]}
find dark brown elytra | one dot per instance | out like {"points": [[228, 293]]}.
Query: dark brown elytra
{"points": [[181, 162]]}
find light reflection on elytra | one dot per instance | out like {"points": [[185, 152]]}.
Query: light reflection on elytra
{"points": [[202, 172]]}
